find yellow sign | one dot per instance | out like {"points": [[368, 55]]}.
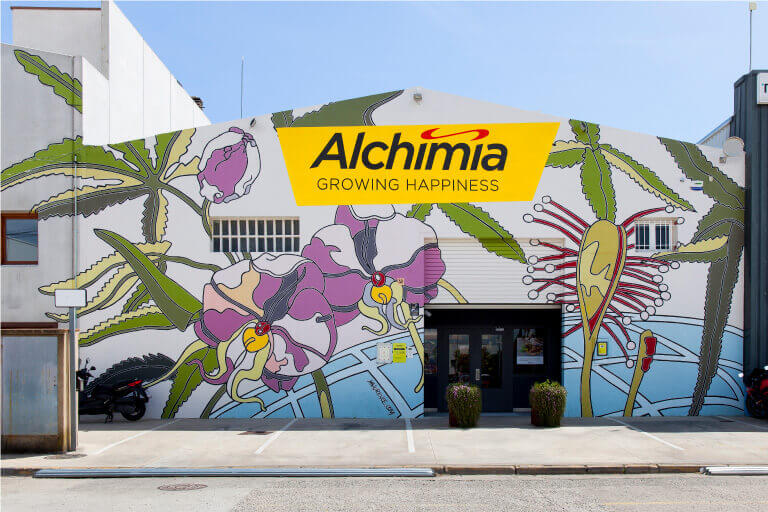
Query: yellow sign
{"points": [[398, 352], [602, 348], [416, 164]]}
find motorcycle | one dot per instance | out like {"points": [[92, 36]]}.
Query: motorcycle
{"points": [[126, 397], [757, 392]]}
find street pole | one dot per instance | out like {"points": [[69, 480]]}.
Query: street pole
{"points": [[73, 379], [752, 8]]}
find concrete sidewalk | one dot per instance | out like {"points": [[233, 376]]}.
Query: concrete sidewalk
{"points": [[500, 444]]}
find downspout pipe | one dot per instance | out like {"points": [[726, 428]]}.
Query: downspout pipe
{"points": [[73, 422]]}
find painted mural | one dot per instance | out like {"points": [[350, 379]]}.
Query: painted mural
{"points": [[296, 335]]}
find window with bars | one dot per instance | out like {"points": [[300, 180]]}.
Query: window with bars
{"points": [[255, 234], [655, 235]]}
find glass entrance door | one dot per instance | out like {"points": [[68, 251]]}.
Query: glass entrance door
{"points": [[478, 356]]}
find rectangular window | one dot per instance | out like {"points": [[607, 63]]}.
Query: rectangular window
{"points": [[19, 234], [655, 234], [642, 237], [260, 234], [662, 237]]}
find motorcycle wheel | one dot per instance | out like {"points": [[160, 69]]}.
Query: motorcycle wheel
{"points": [[755, 410], [138, 412]]}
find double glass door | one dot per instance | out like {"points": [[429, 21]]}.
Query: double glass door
{"points": [[478, 356]]}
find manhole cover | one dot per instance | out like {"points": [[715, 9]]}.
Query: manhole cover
{"points": [[255, 433], [65, 456], [182, 487]]}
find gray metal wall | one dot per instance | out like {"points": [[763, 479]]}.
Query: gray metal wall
{"points": [[750, 122]]}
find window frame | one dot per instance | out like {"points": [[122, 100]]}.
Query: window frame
{"points": [[264, 223], [4, 216], [653, 225]]}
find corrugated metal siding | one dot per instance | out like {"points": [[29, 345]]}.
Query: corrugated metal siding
{"points": [[485, 278], [718, 136], [750, 122]]}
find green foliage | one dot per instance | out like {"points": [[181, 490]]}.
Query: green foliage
{"points": [[724, 219], [354, 112], [596, 162], [547, 403], [597, 186], [420, 211], [63, 84], [464, 404], [176, 303], [148, 317], [477, 223], [187, 379]]}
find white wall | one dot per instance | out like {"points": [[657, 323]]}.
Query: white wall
{"points": [[71, 31], [33, 117], [134, 94]]}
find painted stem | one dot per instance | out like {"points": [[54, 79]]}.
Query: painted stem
{"points": [[191, 263], [452, 290], [213, 401], [323, 394], [637, 376], [586, 374], [406, 311]]}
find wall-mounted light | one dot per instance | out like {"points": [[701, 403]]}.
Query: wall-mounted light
{"points": [[733, 146], [417, 97], [253, 122]]}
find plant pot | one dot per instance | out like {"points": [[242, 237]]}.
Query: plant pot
{"points": [[536, 419], [452, 421]]}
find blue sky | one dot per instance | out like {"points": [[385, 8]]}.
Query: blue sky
{"points": [[662, 68]]}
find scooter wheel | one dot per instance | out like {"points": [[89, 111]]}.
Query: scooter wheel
{"points": [[755, 409], [138, 412]]}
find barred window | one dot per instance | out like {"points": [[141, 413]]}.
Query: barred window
{"points": [[655, 234], [255, 234]]}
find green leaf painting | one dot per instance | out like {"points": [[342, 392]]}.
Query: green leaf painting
{"points": [[477, 223], [148, 317], [176, 303], [420, 211], [354, 112], [64, 85], [187, 379], [719, 241], [124, 171], [597, 160]]}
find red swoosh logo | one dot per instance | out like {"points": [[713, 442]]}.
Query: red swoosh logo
{"points": [[430, 134]]}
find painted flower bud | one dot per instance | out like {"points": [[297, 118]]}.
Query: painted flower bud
{"points": [[229, 166]]}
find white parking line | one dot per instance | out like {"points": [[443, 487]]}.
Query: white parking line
{"points": [[133, 437], [647, 434], [742, 421], [409, 435], [274, 436]]}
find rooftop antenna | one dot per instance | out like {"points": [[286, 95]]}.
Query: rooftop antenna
{"points": [[242, 71], [752, 7]]}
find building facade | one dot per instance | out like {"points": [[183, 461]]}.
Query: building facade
{"points": [[622, 278]]}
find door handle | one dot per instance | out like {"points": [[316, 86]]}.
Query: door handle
{"points": [[477, 374]]}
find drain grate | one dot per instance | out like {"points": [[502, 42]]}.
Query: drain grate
{"points": [[60, 456], [182, 487], [255, 433]]}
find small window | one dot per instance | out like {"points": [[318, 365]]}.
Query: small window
{"points": [[276, 234], [19, 234], [655, 235]]}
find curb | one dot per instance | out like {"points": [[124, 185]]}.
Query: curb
{"points": [[522, 469]]}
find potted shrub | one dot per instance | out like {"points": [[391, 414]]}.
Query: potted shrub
{"points": [[547, 403], [464, 404]]}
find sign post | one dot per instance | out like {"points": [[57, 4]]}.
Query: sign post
{"points": [[71, 299]]}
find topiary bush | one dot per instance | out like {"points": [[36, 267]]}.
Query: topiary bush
{"points": [[547, 403], [464, 405]]}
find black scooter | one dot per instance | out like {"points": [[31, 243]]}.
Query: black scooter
{"points": [[757, 392], [127, 397]]}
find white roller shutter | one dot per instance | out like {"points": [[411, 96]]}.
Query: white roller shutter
{"points": [[485, 278]]}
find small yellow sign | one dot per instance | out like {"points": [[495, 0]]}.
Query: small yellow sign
{"points": [[484, 162], [602, 348], [398, 353]]}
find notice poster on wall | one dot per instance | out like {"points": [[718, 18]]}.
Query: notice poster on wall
{"points": [[530, 350]]}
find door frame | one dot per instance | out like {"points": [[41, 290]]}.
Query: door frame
{"points": [[514, 385]]}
